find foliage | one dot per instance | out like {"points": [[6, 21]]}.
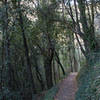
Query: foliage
{"points": [[33, 29], [51, 93], [37, 45], [8, 95], [88, 82]]}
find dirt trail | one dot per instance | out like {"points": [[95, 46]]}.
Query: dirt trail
{"points": [[67, 88]]}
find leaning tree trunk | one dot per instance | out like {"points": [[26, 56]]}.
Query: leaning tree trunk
{"points": [[89, 39], [86, 29], [89, 33]]}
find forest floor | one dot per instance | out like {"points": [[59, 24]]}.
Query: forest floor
{"points": [[67, 88]]}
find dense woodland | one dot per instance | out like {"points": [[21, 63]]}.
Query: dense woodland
{"points": [[42, 41]]}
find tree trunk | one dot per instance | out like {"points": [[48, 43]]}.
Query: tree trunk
{"points": [[31, 86], [48, 71], [10, 72], [89, 34]]}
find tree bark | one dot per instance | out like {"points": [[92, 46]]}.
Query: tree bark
{"points": [[48, 70], [31, 87]]}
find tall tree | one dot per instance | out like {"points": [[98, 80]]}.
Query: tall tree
{"points": [[29, 68], [6, 43], [80, 18]]}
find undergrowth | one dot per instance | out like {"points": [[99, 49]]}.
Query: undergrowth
{"points": [[89, 82], [5, 94], [51, 93]]}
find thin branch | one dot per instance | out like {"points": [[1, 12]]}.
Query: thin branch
{"points": [[58, 61]]}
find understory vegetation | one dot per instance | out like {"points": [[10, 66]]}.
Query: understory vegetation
{"points": [[89, 80]]}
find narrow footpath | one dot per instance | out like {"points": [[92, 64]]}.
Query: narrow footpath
{"points": [[67, 88]]}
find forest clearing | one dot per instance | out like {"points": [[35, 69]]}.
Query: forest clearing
{"points": [[49, 49]]}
